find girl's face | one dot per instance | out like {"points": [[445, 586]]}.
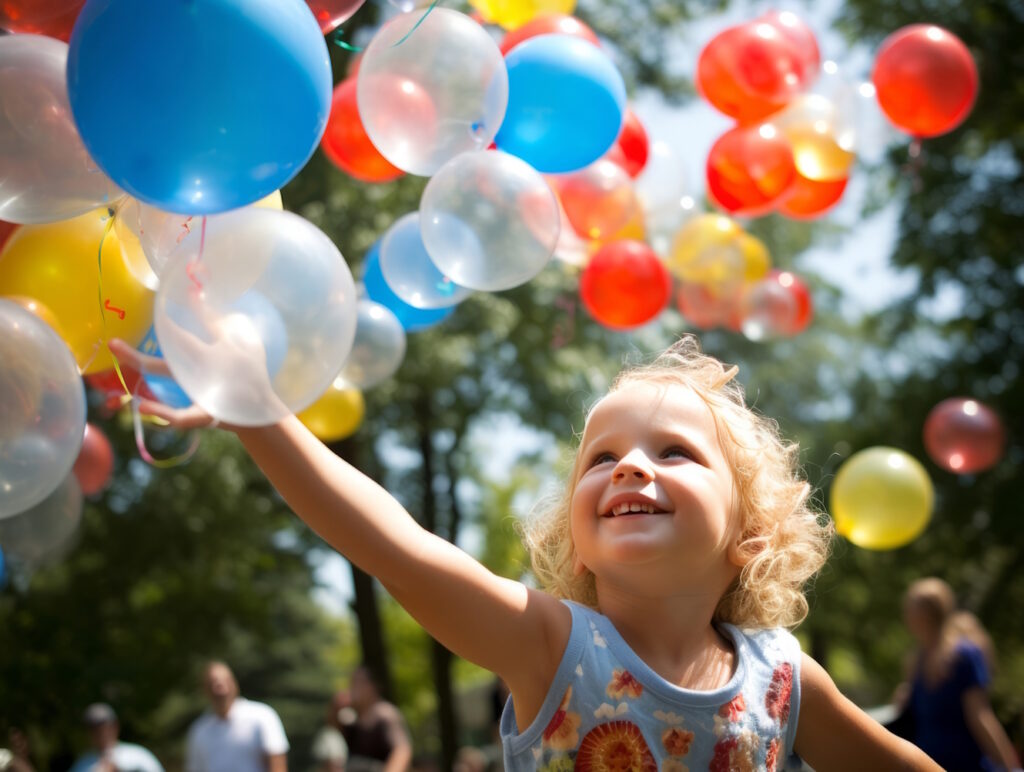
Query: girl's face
{"points": [[652, 511]]}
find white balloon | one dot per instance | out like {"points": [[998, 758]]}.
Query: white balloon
{"points": [[379, 347]]}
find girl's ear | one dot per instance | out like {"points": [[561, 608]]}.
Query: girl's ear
{"points": [[744, 548], [577, 565]]}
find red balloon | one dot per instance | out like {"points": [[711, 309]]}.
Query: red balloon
{"points": [[55, 18], [632, 147], [332, 13], [807, 199], [95, 462], [346, 144], [777, 306], [6, 231], [548, 24], [705, 308], [964, 436], [625, 285], [796, 31], [926, 80], [751, 71], [749, 168]]}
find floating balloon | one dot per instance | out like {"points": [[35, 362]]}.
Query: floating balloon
{"points": [[632, 147], [409, 271], [337, 414], [42, 410], [412, 318], [926, 80], [964, 436], [807, 199], [749, 168], [46, 173], [38, 310], [6, 230], [777, 306], [57, 265], [707, 307], [802, 40], [713, 250], [187, 149], [379, 346], [488, 221], [822, 148], [41, 534], [263, 322], [331, 14], [625, 285], [54, 18], [565, 106], [548, 24], [346, 143], [95, 462], [512, 14], [599, 199], [751, 70], [881, 498], [443, 91]]}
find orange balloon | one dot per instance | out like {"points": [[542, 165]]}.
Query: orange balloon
{"points": [[599, 199], [548, 24], [807, 199], [925, 79], [749, 168], [346, 144]]}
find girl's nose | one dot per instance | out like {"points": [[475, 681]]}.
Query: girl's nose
{"points": [[633, 466]]}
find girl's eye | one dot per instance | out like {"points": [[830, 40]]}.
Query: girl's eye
{"points": [[602, 458], [677, 453]]}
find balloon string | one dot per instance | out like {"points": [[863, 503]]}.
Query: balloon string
{"points": [[105, 304], [140, 441], [336, 38]]}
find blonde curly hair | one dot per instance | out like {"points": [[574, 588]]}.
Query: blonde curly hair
{"points": [[784, 541]]}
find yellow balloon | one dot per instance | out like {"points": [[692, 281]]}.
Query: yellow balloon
{"points": [[57, 264], [515, 13], [882, 498], [634, 230], [273, 201], [336, 414], [815, 128], [714, 251]]}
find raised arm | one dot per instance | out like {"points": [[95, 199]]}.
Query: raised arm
{"points": [[986, 729], [836, 735]]}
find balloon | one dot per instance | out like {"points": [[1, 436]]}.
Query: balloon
{"points": [[964, 436], [713, 250], [337, 414], [814, 129], [625, 285], [632, 147], [807, 199], [270, 287], [881, 498], [411, 318], [346, 144], [57, 265], [707, 307], [42, 410], [333, 13], [488, 221], [566, 103], [409, 271], [37, 309], [802, 40], [750, 71], [46, 174], [926, 80], [749, 168], [777, 306], [186, 148], [95, 462], [41, 534], [599, 199], [439, 93], [379, 346], [512, 14], [6, 231], [548, 24], [41, 17]]}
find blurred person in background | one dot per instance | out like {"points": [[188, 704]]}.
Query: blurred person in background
{"points": [[377, 738], [329, 748], [108, 753], [946, 707]]}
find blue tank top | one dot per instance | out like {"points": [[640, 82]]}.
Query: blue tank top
{"points": [[607, 710]]}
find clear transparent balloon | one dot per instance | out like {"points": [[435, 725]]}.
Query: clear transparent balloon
{"points": [[439, 92], [46, 174], [42, 534], [260, 323], [411, 273], [599, 199], [379, 346], [42, 409], [489, 221], [769, 311], [664, 191]]}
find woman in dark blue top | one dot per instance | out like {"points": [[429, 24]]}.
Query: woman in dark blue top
{"points": [[953, 720]]}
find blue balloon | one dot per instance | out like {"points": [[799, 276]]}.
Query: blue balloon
{"points": [[3, 571], [164, 388], [199, 106], [377, 290], [566, 103]]}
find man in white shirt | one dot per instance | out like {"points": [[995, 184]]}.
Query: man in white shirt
{"points": [[108, 754], [235, 734]]}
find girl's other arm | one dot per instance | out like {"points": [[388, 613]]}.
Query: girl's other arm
{"points": [[986, 729], [836, 735]]}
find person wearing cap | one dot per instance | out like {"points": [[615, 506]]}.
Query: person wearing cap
{"points": [[108, 753], [235, 734]]}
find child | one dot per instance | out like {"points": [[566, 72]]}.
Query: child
{"points": [[671, 563]]}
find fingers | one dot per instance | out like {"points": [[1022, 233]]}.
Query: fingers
{"points": [[186, 418], [143, 362]]}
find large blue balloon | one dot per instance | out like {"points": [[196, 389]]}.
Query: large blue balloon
{"points": [[199, 106], [377, 289], [566, 103]]}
